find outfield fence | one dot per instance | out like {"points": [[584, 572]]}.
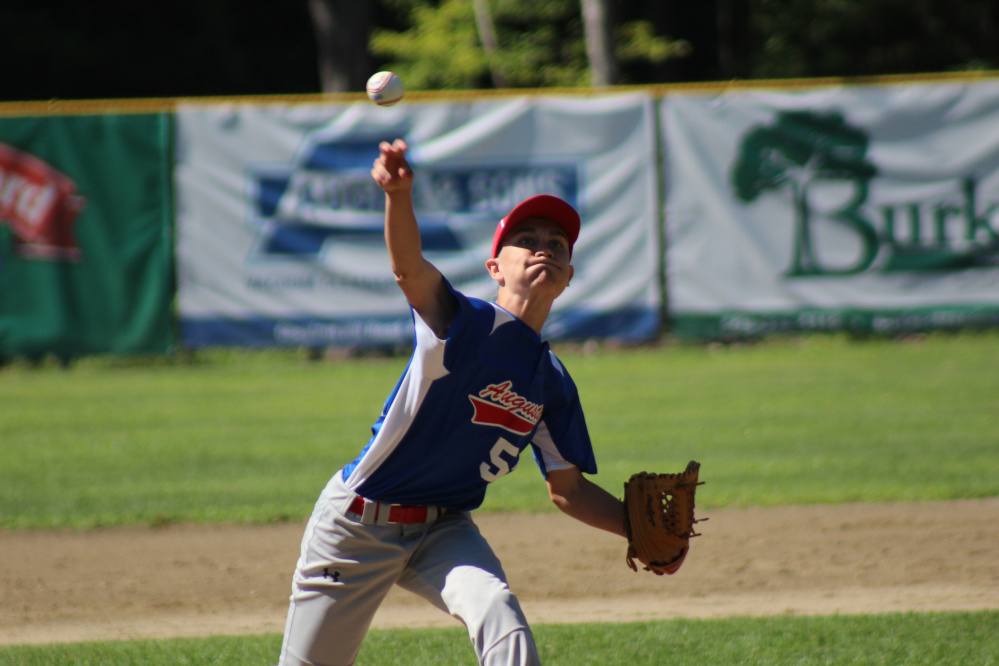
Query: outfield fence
{"points": [[710, 211]]}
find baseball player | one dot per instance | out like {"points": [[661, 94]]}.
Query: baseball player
{"points": [[480, 388]]}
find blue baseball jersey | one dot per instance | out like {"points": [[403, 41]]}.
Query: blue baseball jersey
{"points": [[465, 409]]}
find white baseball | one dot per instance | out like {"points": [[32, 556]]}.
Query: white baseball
{"points": [[385, 88]]}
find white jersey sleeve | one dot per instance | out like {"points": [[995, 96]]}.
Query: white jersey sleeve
{"points": [[545, 450]]}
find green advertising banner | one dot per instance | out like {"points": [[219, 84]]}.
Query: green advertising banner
{"points": [[85, 235]]}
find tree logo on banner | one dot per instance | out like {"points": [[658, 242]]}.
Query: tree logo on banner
{"points": [[799, 152], [817, 157], [39, 204]]}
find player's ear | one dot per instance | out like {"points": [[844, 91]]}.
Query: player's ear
{"points": [[568, 280], [492, 265]]}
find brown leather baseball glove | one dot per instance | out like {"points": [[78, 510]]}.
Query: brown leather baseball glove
{"points": [[659, 518]]}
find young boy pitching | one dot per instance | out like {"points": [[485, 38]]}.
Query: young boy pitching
{"points": [[480, 388]]}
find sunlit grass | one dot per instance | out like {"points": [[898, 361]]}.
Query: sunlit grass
{"points": [[254, 436]]}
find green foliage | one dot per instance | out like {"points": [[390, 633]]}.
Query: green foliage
{"points": [[440, 51], [930, 639], [224, 47], [802, 38], [637, 41], [541, 44]]}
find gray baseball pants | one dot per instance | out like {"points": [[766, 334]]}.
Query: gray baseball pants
{"points": [[348, 563]]}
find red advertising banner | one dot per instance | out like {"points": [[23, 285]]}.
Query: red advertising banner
{"points": [[39, 203]]}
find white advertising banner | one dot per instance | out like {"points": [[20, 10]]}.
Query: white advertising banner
{"points": [[280, 226], [872, 208]]}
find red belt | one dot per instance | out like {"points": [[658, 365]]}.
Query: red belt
{"points": [[404, 515]]}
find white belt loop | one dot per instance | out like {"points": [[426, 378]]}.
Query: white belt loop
{"points": [[370, 512], [382, 513]]}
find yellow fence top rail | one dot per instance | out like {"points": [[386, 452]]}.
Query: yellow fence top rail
{"points": [[169, 104]]}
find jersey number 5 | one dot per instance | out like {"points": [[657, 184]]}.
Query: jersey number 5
{"points": [[500, 466]]}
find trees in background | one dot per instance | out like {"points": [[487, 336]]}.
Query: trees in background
{"points": [[541, 43], [521, 43], [341, 29], [795, 38], [115, 48]]}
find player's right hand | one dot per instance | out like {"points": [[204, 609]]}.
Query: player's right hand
{"points": [[391, 170]]}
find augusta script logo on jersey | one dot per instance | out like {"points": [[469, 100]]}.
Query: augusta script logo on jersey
{"points": [[497, 405], [819, 157], [39, 203]]}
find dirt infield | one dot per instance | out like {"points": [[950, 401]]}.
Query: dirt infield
{"points": [[189, 580]]}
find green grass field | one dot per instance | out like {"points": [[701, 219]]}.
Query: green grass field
{"points": [[927, 639], [253, 437]]}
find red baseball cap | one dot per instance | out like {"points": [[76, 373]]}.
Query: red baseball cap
{"points": [[545, 206]]}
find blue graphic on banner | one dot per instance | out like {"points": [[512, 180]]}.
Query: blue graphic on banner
{"points": [[330, 197], [310, 235]]}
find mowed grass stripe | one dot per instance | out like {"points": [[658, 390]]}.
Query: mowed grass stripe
{"points": [[253, 436]]}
